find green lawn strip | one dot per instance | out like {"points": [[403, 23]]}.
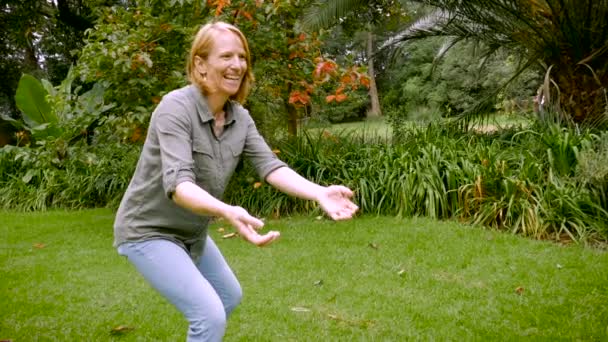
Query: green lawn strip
{"points": [[370, 129], [372, 278]]}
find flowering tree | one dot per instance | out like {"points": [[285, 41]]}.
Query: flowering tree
{"points": [[139, 54]]}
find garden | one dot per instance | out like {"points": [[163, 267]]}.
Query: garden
{"points": [[476, 146]]}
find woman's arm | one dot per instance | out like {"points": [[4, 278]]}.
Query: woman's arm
{"points": [[335, 200], [291, 183], [192, 197]]}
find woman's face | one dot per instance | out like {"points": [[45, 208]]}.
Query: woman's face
{"points": [[226, 64]]}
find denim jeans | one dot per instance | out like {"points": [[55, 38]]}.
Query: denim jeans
{"points": [[200, 285]]}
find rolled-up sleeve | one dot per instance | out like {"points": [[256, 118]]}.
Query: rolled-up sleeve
{"points": [[258, 152], [175, 145]]}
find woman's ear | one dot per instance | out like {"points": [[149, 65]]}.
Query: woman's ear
{"points": [[200, 65]]}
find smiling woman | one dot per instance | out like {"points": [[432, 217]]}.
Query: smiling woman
{"points": [[196, 137]]}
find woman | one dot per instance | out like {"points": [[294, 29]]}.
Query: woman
{"points": [[196, 137]]}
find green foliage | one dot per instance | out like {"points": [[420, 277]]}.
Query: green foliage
{"points": [[31, 100], [566, 38], [423, 87], [494, 180], [138, 56], [56, 174]]}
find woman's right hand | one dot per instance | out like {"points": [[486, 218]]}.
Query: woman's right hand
{"points": [[247, 226]]}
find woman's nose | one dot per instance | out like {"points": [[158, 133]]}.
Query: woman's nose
{"points": [[235, 62]]}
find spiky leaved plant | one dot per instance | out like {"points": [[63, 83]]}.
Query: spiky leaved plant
{"points": [[568, 38]]}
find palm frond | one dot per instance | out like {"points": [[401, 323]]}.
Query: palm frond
{"points": [[569, 35], [326, 13], [428, 25]]}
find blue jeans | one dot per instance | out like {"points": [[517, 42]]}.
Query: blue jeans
{"points": [[202, 287]]}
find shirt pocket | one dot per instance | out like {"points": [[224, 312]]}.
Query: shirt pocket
{"points": [[205, 165], [233, 157]]}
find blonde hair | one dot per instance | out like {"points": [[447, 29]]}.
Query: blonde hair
{"points": [[201, 47]]}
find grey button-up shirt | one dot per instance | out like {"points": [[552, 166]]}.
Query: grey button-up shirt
{"points": [[181, 146]]}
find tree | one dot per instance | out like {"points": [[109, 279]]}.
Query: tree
{"points": [[421, 87], [569, 39], [361, 16], [39, 37], [139, 53]]}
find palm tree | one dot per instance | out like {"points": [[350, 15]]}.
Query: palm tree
{"points": [[568, 38], [368, 14]]}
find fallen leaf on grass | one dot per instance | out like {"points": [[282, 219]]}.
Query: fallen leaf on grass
{"points": [[6, 340], [300, 309], [220, 230], [519, 290], [229, 235], [121, 330], [39, 245]]}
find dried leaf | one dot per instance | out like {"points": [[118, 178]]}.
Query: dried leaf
{"points": [[257, 185], [121, 330], [519, 290], [39, 245], [336, 317], [229, 235]]}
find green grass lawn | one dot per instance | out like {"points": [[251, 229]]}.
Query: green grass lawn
{"points": [[379, 128], [373, 129], [373, 278]]}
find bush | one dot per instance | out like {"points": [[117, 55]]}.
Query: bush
{"points": [[495, 180], [53, 175], [542, 183]]}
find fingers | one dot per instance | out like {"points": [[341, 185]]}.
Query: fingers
{"points": [[249, 234], [254, 222], [267, 238], [343, 214], [341, 190]]}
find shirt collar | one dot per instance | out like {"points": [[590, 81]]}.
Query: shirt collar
{"points": [[203, 108]]}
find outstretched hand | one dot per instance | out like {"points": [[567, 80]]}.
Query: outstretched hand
{"points": [[247, 226], [335, 200]]}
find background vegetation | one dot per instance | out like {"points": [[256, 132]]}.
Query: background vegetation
{"points": [[71, 133]]}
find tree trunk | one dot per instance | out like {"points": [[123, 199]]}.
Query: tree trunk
{"points": [[581, 98], [30, 59], [375, 111]]}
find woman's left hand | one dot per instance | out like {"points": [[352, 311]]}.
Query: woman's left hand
{"points": [[335, 200]]}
